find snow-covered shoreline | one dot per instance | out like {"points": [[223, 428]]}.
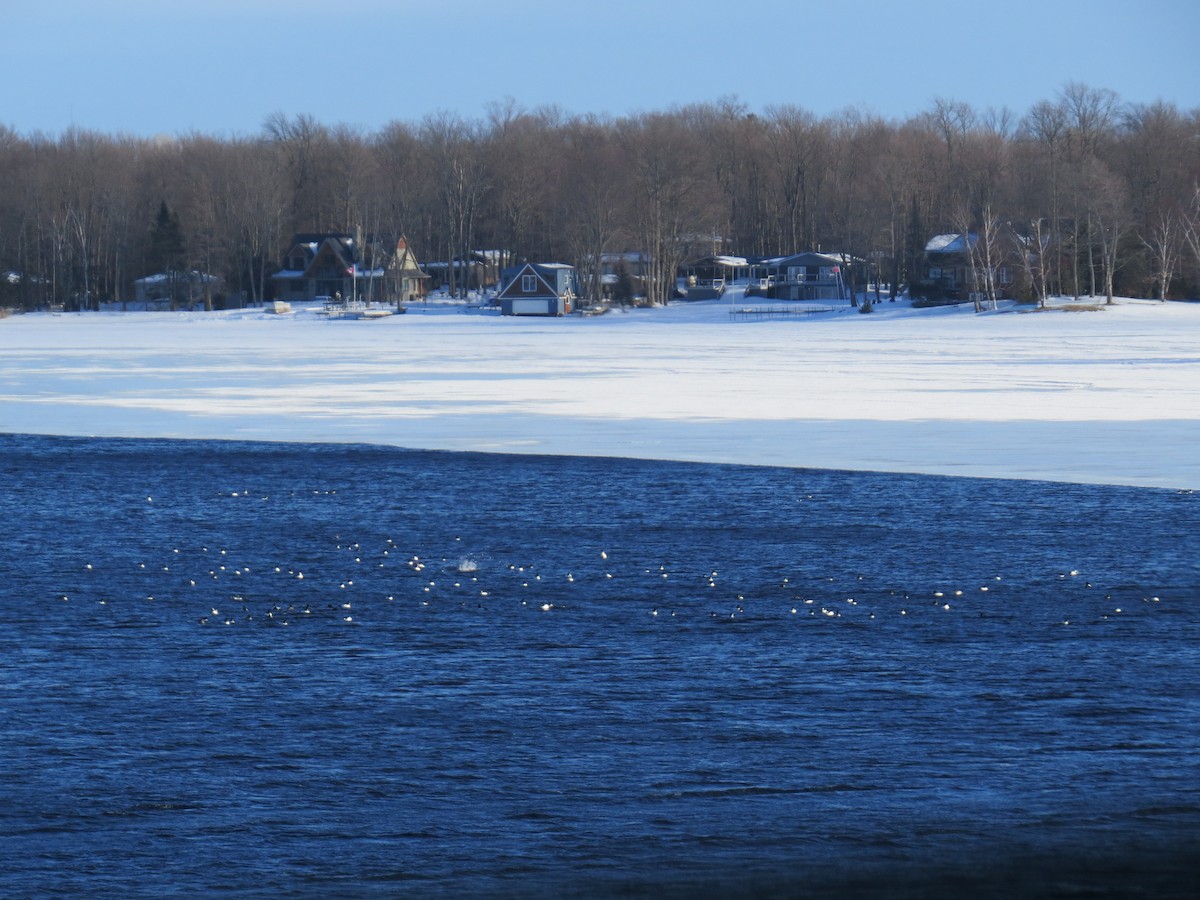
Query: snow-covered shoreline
{"points": [[1109, 396]]}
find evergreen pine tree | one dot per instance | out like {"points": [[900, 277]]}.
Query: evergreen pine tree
{"points": [[167, 251], [623, 289]]}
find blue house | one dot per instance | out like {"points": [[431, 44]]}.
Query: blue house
{"points": [[543, 289], [805, 276]]}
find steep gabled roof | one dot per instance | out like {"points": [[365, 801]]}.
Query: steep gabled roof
{"points": [[311, 242], [539, 270], [342, 250], [405, 260]]}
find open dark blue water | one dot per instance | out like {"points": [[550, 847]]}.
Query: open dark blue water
{"points": [[256, 669]]}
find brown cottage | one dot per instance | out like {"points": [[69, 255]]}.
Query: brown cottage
{"points": [[948, 272], [325, 265]]}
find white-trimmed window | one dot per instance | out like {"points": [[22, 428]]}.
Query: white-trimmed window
{"points": [[528, 284]]}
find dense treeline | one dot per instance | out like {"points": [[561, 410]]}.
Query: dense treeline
{"points": [[1103, 195]]}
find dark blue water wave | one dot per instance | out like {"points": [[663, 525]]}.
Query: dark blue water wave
{"points": [[260, 669]]}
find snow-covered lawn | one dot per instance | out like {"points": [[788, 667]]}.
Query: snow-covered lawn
{"points": [[1106, 396]]}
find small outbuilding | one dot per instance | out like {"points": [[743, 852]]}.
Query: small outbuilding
{"points": [[176, 290], [542, 289]]}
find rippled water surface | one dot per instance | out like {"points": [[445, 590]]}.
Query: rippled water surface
{"points": [[272, 669]]}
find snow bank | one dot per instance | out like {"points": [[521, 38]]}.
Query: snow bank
{"points": [[1107, 396]]}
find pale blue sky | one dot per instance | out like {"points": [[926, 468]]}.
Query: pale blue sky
{"points": [[148, 67]]}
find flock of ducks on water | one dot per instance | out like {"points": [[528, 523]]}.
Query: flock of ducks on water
{"points": [[233, 593]]}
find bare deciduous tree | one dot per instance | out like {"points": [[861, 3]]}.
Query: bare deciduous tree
{"points": [[1090, 194], [666, 189], [454, 149]]}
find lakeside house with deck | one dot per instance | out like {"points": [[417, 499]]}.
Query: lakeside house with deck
{"points": [[803, 276], [706, 278]]}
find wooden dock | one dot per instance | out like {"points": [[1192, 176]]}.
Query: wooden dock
{"points": [[776, 312], [350, 309]]}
